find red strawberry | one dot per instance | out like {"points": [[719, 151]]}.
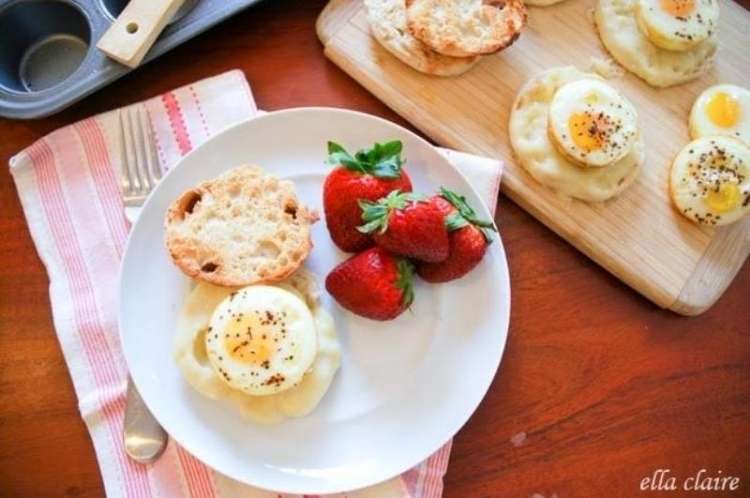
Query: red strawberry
{"points": [[373, 284], [408, 225], [369, 175], [468, 241]]}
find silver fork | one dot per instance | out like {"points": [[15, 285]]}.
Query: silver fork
{"points": [[144, 438], [140, 165]]}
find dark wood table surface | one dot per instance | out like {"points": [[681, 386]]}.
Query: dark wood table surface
{"points": [[606, 387]]}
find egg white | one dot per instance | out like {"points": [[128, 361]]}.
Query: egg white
{"points": [[591, 123], [710, 180], [678, 29], [722, 110]]}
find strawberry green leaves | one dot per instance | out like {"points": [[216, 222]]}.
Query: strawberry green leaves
{"points": [[454, 221], [376, 214], [338, 155], [464, 214], [381, 160], [405, 281]]}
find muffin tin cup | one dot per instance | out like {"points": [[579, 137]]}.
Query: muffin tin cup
{"points": [[48, 54]]}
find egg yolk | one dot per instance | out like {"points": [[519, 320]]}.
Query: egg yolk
{"points": [[725, 199], [723, 109], [248, 340], [585, 131], [678, 8]]}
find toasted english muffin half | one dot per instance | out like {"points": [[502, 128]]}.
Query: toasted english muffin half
{"points": [[462, 28], [541, 3], [388, 26], [244, 227]]}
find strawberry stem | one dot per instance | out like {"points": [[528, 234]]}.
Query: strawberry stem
{"points": [[381, 160]]}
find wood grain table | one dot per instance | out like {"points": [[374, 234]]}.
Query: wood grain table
{"points": [[605, 387]]}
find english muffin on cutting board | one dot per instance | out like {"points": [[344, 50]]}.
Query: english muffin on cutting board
{"points": [[241, 228], [462, 28], [536, 150], [388, 26], [617, 22]]}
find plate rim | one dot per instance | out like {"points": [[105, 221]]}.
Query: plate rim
{"points": [[506, 304]]}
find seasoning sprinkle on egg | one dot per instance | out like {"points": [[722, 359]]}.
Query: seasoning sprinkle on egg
{"points": [[714, 187], [257, 354], [591, 123], [677, 25]]}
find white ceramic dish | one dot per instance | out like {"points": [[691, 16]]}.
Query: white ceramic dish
{"points": [[404, 388]]}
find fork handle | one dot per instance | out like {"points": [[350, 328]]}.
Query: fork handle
{"points": [[145, 439]]}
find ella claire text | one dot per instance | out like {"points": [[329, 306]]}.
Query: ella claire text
{"points": [[663, 480]]}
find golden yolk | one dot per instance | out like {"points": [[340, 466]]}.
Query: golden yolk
{"points": [[246, 340], [581, 126], [723, 109], [678, 8], [726, 199]]}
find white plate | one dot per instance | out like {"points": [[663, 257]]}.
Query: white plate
{"points": [[404, 388]]}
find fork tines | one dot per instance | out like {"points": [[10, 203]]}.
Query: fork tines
{"points": [[140, 163]]}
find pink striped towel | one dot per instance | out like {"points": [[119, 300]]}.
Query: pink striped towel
{"points": [[68, 185]]}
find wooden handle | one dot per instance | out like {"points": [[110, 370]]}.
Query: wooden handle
{"points": [[131, 35]]}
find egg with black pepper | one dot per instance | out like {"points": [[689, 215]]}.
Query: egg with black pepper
{"points": [[710, 180], [261, 340], [677, 25], [591, 123]]}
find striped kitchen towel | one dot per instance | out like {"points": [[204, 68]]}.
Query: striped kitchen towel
{"points": [[68, 186]]}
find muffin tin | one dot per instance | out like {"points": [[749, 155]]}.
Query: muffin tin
{"points": [[48, 54]]}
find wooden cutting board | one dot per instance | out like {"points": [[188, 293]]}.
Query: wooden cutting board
{"points": [[637, 236]]}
